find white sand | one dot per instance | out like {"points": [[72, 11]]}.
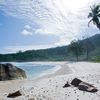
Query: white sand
{"points": [[50, 87]]}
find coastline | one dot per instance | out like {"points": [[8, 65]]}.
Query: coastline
{"points": [[50, 87], [64, 69], [4, 85]]}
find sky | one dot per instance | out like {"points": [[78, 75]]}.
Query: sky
{"points": [[41, 24]]}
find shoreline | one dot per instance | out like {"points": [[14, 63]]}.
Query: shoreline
{"points": [[63, 70], [60, 71], [50, 87], [56, 66]]}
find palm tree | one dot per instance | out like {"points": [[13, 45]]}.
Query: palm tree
{"points": [[95, 16]]}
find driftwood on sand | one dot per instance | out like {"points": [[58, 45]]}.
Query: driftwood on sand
{"points": [[14, 95], [83, 86], [66, 85]]}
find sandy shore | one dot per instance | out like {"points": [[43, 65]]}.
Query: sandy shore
{"points": [[50, 87], [62, 71]]}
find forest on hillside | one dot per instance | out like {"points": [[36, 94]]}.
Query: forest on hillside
{"points": [[88, 50]]}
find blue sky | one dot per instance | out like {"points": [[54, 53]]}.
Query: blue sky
{"points": [[38, 24], [11, 35]]}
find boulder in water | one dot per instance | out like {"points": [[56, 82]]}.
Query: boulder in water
{"points": [[10, 72]]}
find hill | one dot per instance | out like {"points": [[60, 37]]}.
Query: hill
{"points": [[55, 54]]}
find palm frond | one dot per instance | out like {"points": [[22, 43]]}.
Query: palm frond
{"points": [[90, 22], [91, 8], [98, 15], [90, 15], [97, 7], [95, 15], [98, 25]]}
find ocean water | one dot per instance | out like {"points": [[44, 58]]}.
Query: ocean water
{"points": [[36, 69]]}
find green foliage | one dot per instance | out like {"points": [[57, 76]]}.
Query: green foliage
{"points": [[95, 15], [52, 54], [88, 47], [76, 48], [59, 53], [96, 59]]}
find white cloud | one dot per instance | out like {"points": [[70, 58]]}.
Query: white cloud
{"points": [[64, 18], [64, 39], [26, 32], [27, 27]]}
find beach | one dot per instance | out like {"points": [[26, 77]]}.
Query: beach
{"points": [[50, 87]]}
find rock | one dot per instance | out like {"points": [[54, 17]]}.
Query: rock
{"points": [[10, 72], [75, 82], [82, 85], [87, 87], [14, 95], [66, 85]]}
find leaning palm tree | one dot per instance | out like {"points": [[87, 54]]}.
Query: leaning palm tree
{"points": [[95, 16]]}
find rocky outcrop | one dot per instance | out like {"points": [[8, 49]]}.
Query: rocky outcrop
{"points": [[10, 72], [83, 86]]}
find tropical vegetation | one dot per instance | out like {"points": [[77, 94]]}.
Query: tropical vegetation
{"points": [[90, 46], [95, 15]]}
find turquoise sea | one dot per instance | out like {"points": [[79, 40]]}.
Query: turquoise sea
{"points": [[35, 69]]}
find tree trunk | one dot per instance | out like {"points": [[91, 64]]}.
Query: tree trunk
{"points": [[77, 57], [87, 51], [77, 54], [87, 55]]}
